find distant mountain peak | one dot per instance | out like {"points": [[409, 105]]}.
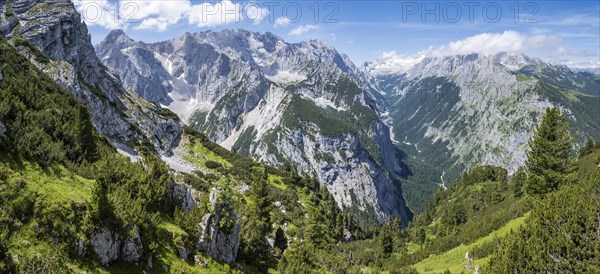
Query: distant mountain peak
{"points": [[118, 37]]}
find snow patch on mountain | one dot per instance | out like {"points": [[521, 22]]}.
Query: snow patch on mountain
{"points": [[286, 77], [391, 63]]}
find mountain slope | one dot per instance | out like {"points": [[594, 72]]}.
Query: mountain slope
{"points": [[477, 110], [71, 203], [54, 38], [278, 102]]}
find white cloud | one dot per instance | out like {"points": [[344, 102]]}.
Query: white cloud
{"points": [[254, 13], [153, 15], [333, 37], [580, 65], [160, 15], [208, 15], [508, 41], [389, 62], [98, 13], [302, 30], [282, 21]]}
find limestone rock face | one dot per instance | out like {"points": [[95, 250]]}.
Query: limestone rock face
{"points": [[183, 195], [482, 108], [220, 230], [109, 246], [106, 245], [221, 244], [132, 248], [56, 29]]}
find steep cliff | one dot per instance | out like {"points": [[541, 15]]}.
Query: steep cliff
{"points": [[54, 38]]}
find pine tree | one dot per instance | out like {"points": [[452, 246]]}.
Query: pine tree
{"points": [[587, 148], [87, 135], [386, 242], [548, 157], [257, 226], [280, 239], [421, 235], [517, 181]]}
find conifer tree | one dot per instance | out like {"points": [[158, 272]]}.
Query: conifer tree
{"points": [[255, 248], [386, 242], [280, 239], [548, 157], [587, 148], [517, 181]]}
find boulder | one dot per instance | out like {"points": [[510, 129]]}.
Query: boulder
{"points": [[347, 236], [183, 253], [132, 248], [2, 131], [221, 243], [106, 245], [183, 195]]}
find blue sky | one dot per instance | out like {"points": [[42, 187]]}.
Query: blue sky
{"points": [[565, 32]]}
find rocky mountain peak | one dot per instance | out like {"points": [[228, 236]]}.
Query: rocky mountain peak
{"points": [[118, 37]]}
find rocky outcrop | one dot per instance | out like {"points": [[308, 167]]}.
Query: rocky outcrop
{"points": [[132, 248], [106, 244], [183, 195], [219, 230], [109, 246], [56, 29], [219, 243]]}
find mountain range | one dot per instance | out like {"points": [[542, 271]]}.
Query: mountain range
{"points": [[277, 102], [400, 128], [236, 151]]}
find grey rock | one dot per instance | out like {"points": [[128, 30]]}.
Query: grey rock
{"points": [[183, 253], [219, 243], [80, 248], [183, 195], [2, 130], [1, 77], [347, 236], [106, 245], [132, 248]]}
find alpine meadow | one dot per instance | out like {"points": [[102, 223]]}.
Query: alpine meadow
{"points": [[193, 136]]}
